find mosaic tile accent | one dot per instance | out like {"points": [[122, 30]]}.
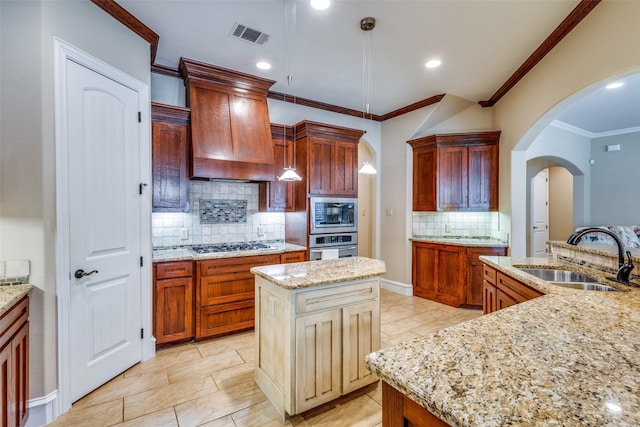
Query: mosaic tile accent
{"points": [[223, 211]]}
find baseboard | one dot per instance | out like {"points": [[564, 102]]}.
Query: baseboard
{"points": [[42, 410], [397, 287]]}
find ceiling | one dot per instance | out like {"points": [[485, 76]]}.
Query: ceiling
{"points": [[480, 43]]}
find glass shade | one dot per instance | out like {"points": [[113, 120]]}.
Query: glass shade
{"points": [[367, 169], [289, 174]]}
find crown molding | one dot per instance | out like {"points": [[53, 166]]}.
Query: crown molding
{"points": [[561, 31], [592, 135], [121, 15]]}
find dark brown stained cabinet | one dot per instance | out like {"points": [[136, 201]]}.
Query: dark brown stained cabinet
{"points": [[502, 291], [400, 411], [230, 131], [279, 196], [456, 172], [225, 294], [450, 274], [170, 155], [14, 364], [173, 302], [327, 158]]}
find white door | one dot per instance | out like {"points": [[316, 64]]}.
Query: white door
{"points": [[104, 229], [540, 214]]}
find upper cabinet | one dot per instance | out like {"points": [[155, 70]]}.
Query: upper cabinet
{"points": [[328, 156], [230, 131], [278, 196], [456, 172], [170, 153]]}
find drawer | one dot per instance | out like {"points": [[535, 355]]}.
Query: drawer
{"points": [[474, 253], [517, 290], [171, 270], [13, 319], [225, 318], [223, 289], [489, 274], [235, 265], [297, 256], [339, 296]]}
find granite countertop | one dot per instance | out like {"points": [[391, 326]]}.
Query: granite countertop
{"points": [[186, 254], [462, 241], [323, 272], [11, 294], [599, 249], [569, 357]]}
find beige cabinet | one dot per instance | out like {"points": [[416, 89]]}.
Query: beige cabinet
{"points": [[312, 342]]}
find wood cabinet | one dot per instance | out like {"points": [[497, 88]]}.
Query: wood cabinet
{"points": [[501, 291], [279, 196], [456, 172], [14, 364], [296, 256], [312, 342], [225, 294], [230, 131], [173, 302], [400, 411], [170, 157], [450, 274], [328, 160]]}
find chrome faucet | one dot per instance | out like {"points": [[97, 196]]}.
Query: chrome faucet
{"points": [[624, 268]]}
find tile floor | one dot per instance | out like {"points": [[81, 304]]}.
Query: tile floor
{"points": [[210, 383]]}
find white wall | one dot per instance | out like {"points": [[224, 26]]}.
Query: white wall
{"points": [[27, 168], [614, 180]]}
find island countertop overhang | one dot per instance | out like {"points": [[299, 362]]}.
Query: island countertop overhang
{"points": [[317, 273]]}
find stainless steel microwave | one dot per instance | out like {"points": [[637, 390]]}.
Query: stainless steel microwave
{"points": [[333, 215]]}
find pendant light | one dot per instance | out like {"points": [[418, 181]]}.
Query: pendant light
{"points": [[367, 25], [289, 173]]}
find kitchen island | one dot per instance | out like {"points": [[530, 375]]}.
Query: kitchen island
{"points": [[315, 323], [569, 357]]}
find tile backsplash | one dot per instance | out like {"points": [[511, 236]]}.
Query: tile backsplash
{"points": [[14, 272], [221, 212], [458, 224]]}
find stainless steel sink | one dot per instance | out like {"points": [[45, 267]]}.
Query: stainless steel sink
{"points": [[587, 286], [569, 279], [559, 275]]}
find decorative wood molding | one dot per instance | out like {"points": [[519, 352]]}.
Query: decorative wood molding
{"points": [[170, 113], [191, 69], [565, 27], [281, 131], [165, 70], [321, 130], [120, 14], [467, 138], [412, 107]]}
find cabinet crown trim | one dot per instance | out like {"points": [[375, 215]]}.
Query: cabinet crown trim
{"points": [[467, 138], [191, 69], [322, 130], [170, 113]]}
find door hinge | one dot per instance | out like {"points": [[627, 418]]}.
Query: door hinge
{"points": [[139, 116], [141, 262], [141, 333], [141, 186]]}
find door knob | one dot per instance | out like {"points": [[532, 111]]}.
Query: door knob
{"points": [[79, 274]]}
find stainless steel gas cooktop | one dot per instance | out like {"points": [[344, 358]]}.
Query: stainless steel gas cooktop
{"points": [[230, 247]]}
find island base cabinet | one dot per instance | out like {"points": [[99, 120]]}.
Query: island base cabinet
{"points": [[311, 343], [318, 359]]}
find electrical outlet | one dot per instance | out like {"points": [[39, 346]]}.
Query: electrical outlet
{"points": [[447, 228], [364, 212], [184, 233], [260, 230]]}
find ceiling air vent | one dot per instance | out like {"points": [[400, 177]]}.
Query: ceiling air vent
{"points": [[251, 35]]}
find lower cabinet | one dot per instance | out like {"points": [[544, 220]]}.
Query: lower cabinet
{"points": [[14, 364], [173, 302], [450, 274], [312, 343], [225, 294], [501, 291], [398, 411], [295, 256]]}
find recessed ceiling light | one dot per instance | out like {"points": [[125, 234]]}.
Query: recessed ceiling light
{"points": [[320, 4], [263, 65], [614, 85], [433, 63]]}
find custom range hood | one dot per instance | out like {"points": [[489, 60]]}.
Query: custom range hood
{"points": [[230, 130]]}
